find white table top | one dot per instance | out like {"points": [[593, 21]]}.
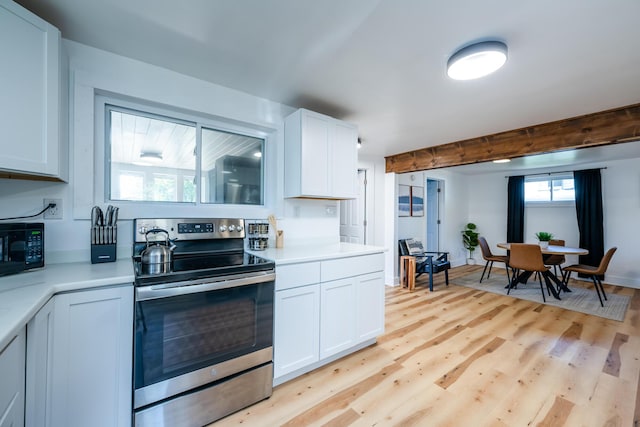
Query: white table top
{"points": [[553, 250]]}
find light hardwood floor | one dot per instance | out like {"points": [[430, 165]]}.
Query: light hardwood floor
{"points": [[463, 357]]}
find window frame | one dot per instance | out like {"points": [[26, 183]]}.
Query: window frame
{"points": [[139, 209], [549, 177]]}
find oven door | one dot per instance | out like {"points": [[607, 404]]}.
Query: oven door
{"points": [[199, 332]]}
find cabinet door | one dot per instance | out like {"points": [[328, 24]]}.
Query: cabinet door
{"points": [[314, 176], [337, 316], [29, 105], [92, 358], [370, 305], [343, 152], [39, 359], [12, 360], [296, 329]]}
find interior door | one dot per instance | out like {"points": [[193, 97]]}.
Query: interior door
{"points": [[353, 214], [434, 193]]}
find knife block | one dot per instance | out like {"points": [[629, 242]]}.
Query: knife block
{"points": [[103, 243], [103, 253]]}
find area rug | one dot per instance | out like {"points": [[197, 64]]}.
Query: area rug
{"points": [[580, 299]]}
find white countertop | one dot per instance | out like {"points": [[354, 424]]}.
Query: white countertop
{"points": [[306, 253], [23, 294]]}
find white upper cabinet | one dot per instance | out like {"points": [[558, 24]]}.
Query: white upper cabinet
{"points": [[30, 88], [321, 158]]}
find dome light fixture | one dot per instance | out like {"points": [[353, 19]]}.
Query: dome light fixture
{"points": [[152, 156], [477, 60]]}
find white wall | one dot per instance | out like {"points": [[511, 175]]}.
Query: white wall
{"points": [[621, 188]]}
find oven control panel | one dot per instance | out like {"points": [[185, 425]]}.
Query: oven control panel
{"points": [[204, 227], [188, 228]]}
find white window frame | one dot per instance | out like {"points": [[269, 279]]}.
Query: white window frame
{"points": [[141, 209]]}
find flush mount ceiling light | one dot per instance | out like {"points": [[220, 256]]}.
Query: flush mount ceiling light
{"points": [[477, 60], [151, 156]]}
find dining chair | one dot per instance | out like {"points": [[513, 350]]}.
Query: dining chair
{"points": [[429, 262], [593, 272], [525, 257], [556, 261], [490, 258]]}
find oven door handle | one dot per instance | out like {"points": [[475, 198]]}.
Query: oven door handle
{"points": [[168, 290]]}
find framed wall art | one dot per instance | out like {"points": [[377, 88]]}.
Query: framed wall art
{"points": [[404, 200], [417, 201]]}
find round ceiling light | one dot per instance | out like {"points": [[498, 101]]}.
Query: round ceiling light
{"points": [[477, 60]]}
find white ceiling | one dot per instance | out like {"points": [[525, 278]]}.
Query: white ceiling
{"points": [[381, 63]]}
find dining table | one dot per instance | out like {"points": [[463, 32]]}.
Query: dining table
{"points": [[552, 249], [546, 251]]}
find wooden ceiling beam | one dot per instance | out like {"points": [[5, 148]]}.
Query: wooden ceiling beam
{"points": [[603, 128]]}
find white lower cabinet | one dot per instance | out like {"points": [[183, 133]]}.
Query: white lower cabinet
{"points": [[370, 305], [325, 309], [296, 342], [39, 369], [79, 359], [337, 316], [12, 360]]}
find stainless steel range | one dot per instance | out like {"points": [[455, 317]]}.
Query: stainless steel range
{"points": [[204, 321]]}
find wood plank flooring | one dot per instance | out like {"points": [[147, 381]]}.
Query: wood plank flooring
{"points": [[463, 357]]}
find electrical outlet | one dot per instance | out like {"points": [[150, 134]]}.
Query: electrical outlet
{"points": [[330, 210], [53, 213]]}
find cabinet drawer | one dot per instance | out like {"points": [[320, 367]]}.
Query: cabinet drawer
{"points": [[294, 275], [352, 266]]}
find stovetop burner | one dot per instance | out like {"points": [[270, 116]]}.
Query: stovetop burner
{"points": [[203, 266]]}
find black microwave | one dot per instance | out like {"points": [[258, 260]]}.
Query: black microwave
{"points": [[21, 247]]}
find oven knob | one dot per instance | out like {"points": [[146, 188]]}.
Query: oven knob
{"points": [[222, 228], [239, 228], [232, 227], [142, 230]]}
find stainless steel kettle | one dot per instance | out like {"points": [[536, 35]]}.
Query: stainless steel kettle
{"points": [[156, 256]]}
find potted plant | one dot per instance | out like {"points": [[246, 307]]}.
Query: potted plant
{"points": [[470, 241], [543, 238]]}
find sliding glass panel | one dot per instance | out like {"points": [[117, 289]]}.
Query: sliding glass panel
{"points": [[563, 190], [232, 168], [537, 191], [149, 155]]}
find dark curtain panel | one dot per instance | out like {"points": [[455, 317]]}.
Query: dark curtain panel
{"points": [[588, 188], [515, 209]]}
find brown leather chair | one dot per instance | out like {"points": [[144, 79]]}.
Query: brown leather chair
{"points": [[556, 260], [490, 258], [525, 257], [591, 271]]}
